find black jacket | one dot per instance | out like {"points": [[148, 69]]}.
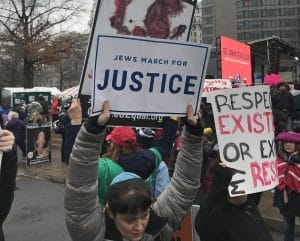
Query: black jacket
{"points": [[219, 220], [7, 182]]}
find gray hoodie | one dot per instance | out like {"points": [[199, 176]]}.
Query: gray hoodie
{"points": [[86, 219]]}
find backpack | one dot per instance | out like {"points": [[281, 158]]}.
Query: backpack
{"points": [[152, 178]]}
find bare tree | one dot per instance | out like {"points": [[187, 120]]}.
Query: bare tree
{"points": [[31, 27]]}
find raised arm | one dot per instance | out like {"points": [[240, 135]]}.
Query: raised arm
{"points": [[84, 217], [176, 200]]}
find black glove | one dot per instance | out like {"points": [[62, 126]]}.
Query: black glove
{"points": [[92, 125], [196, 130]]}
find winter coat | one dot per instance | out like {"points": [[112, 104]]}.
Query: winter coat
{"points": [[54, 107], [16, 126], [85, 218], [219, 220], [288, 174], [7, 182]]}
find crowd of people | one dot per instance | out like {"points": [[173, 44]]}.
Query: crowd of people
{"points": [[139, 183]]}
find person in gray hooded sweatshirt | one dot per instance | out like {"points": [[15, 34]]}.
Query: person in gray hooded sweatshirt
{"points": [[129, 213]]}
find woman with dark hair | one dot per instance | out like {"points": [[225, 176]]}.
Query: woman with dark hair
{"points": [[287, 193], [41, 143], [40, 148], [129, 213]]}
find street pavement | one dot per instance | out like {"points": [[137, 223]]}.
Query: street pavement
{"points": [[38, 214]]}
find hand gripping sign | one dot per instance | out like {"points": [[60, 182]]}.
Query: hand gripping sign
{"points": [[245, 131]]}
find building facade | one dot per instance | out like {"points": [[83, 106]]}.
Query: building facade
{"points": [[196, 30], [249, 20]]}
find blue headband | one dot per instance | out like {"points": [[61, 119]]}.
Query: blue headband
{"points": [[124, 176]]}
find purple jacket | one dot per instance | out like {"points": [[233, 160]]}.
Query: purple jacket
{"points": [[16, 126]]}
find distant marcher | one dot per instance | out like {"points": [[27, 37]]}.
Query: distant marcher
{"points": [[55, 108], [45, 111], [36, 118], [33, 107], [21, 110], [159, 179], [283, 108], [7, 175], [287, 193], [296, 96], [17, 126]]}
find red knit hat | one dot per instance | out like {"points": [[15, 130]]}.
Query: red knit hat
{"points": [[288, 136], [122, 136]]}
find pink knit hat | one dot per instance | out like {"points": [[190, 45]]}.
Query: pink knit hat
{"points": [[288, 136]]}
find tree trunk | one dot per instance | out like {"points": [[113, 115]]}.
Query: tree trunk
{"points": [[28, 72]]}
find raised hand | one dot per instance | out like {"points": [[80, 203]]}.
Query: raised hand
{"points": [[105, 114], [7, 140], [191, 119], [75, 112]]}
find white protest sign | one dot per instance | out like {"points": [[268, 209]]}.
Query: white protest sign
{"points": [[149, 76], [210, 85], [245, 131], [170, 20]]}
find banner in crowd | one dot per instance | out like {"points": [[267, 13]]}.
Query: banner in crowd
{"points": [[171, 20], [210, 85], [38, 143], [160, 77], [245, 131]]}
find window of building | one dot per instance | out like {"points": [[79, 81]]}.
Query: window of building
{"points": [[240, 25], [240, 36], [240, 14], [288, 34], [271, 23], [207, 10], [252, 3], [207, 20], [288, 2], [253, 24], [270, 33], [207, 30], [207, 40], [270, 2], [288, 11], [203, 2], [255, 35], [252, 13], [288, 22], [239, 4], [270, 12]]}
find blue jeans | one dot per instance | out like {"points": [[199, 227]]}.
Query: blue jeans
{"points": [[289, 226]]}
